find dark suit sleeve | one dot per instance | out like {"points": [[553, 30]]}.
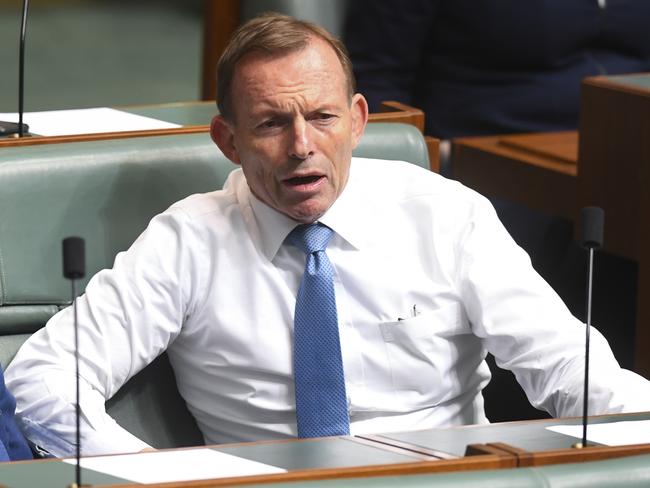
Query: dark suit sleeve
{"points": [[386, 39], [13, 445]]}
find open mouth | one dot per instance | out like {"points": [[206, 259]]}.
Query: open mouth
{"points": [[303, 180]]}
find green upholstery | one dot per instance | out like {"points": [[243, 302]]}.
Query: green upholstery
{"points": [[106, 192]]}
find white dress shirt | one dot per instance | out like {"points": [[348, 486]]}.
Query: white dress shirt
{"points": [[427, 281]]}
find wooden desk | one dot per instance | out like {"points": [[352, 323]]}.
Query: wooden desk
{"points": [[537, 170], [529, 441], [192, 116], [606, 163], [310, 459], [495, 446]]}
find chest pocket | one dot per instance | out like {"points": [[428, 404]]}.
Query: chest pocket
{"points": [[423, 353]]}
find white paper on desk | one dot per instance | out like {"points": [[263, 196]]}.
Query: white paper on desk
{"points": [[168, 466], [610, 433], [85, 121]]}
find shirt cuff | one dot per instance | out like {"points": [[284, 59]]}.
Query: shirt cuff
{"points": [[111, 439]]}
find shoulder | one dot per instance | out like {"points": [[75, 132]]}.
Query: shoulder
{"points": [[200, 217], [215, 205], [410, 196], [401, 181]]}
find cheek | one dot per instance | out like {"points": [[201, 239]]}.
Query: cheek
{"points": [[266, 154], [257, 174], [260, 171], [341, 156]]}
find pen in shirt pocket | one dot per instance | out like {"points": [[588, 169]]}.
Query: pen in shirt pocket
{"points": [[414, 313]]}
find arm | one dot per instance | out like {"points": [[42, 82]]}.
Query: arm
{"points": [[127, 317], [13, 446], [532, 333]]}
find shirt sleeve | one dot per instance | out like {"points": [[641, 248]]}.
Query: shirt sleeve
{"points": [[127, 317], [530, 331]]}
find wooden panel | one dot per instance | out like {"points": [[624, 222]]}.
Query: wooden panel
{"points": [[390, 111], [614, 158], [573, 455], [559, 456], [521, 168], [36, 140], [220, 19], [614, 154], [555, 146], [554, 151]]}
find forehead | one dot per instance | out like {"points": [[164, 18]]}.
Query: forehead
{"points": [[312, 71]]}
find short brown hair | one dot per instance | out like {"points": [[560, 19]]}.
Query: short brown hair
{"points": [[272, 34]]}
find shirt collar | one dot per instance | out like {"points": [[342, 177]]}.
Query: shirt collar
{"points": [[348, 217]]}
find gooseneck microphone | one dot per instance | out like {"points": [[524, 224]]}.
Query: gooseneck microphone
{"points": [[592, 219], [74, 268], [11, 128], [21, 69]]}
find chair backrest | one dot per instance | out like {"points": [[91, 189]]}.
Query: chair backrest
{"points": [[106, 192]]}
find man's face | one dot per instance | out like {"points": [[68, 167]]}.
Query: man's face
{"points": [[294, 129]]}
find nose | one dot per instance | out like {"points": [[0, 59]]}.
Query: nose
{"points": [[301, 140]]}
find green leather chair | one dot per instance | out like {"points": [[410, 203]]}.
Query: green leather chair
{"points": [[106, 192]]}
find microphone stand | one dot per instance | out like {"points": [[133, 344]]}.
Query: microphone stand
{"points": [[74, 269], [592, 238], [21, 69], [585, 395], [77, 477], [10, 128]]}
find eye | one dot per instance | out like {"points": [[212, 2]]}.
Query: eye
{"points": [[323, 117], [268, 124]]}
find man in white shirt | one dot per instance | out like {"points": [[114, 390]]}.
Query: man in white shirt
{"points": [[426, 280]]}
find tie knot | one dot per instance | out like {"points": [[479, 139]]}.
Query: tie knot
{"points": [[310, 237]]}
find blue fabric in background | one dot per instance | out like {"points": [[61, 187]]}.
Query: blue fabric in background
{"points": [[13, 446], [479, 67]]}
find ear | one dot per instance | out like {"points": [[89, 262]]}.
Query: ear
{"points": [[223, 135], [359, 111]]}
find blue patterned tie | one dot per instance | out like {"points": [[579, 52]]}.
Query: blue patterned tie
{"points": [[321, 402]]}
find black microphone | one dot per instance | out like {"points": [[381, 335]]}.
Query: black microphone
{"points": [[11, 128], [74, 268], [592, 219], [74, 258], [593, 222]]}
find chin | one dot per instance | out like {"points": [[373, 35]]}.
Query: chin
{"points": [[306, 219], [306, 216]]}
